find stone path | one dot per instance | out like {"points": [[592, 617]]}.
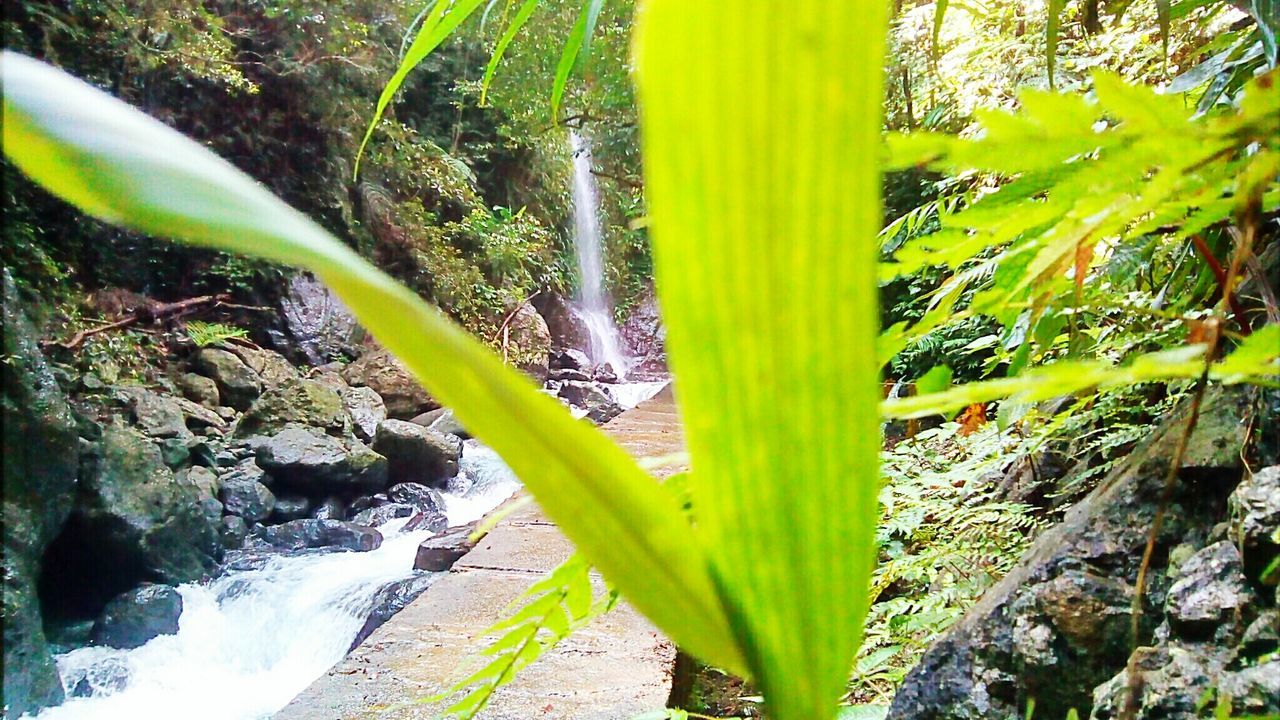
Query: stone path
{"points": [[617, 667]]}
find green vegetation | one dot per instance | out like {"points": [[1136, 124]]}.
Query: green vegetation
{"points": [[1056, 237]]}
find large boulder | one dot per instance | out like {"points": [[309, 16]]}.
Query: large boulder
{"points": [[316, 324], [387, 376], [135, 617], [600, 405], [317, 465], [417, 454], [566, 328], [157, 415], [137, 521], [246, 497], [41, 461], [238, 384], [1058, 625], [200, 389], [271, 367], [527, 342], [297, 402], [303, 534]]}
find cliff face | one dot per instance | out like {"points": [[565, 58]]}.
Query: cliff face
{"points": [[41, 461]]}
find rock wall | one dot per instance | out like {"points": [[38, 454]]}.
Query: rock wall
{"points": [[1056, 630], [40, 471]]}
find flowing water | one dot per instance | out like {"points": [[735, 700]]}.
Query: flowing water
{"points": [[593, 305], [249, 641]]}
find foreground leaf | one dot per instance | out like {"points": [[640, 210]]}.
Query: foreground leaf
{"points": [[761, 136], [124, 167]]}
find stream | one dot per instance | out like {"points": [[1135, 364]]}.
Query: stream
{"points": [[249, 641]]}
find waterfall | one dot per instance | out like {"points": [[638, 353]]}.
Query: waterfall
{"points": [[249, 641], [593, 305]]}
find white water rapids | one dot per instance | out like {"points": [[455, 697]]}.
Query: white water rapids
{"points": [[593, 305], [249, 641]]}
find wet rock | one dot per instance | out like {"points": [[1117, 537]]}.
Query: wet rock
{"points": [[174, 452], [246, 470], [290, 508], [316, 322], [330, 508], [133, 514], [135, 617], [204, 480], [272, 368], [246, 497], [41, 461], [198, 416], [569, 374], [108, 676], [439, 553], [566, 328], [203, 452], [645, 336], [1254, 691], [157, 415], [427, 502], [317, 465], [606, 373], [1057, 626], [570, 359], [233, 531], [298, 402], [330, 376], [387, 376], [604, 413], [425, 419], [200, 389], [425, 520], [361, 504], [418, 454], [528, 342], [600, 406], [419, 496], [311, 533], [1174, 679], [238, 385], [1256, 504], [382, 514], [366, 409], [1209, 593], [448, 424], [390, 600]]}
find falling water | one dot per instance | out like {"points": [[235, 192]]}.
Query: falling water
{"points": [[249, 641], [594, 306]]}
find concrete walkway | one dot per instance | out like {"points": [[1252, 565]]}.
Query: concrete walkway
{"points": [[617, 667]]}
